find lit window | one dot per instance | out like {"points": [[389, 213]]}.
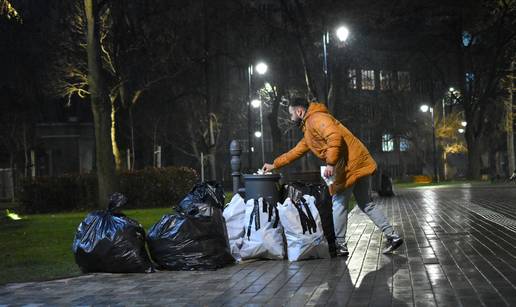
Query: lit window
{"points": [[403, 81], [387, 142], [470, 77], [385, 80], [466, 39], [404, 144], [352, 76], [368, 80]]}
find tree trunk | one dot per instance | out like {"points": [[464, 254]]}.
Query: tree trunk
{"points": [[474, 156], [101, 108], [25, 151], [492, 163], [337, 82], [132, 137], [277, 147], [209, 69], [212, 161], [509, 122], [114, 144], [302, 33]]}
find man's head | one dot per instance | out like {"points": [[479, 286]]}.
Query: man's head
{"points": [[297, 109]]}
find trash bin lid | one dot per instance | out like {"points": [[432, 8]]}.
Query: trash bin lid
{"points": [[271, 177]]}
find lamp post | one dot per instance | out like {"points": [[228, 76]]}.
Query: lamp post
{"points": [[261, 68], [342, 34], [425, 108], [256, 103]]}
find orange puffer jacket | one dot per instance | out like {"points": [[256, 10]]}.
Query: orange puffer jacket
{"points": [[333, 143]]}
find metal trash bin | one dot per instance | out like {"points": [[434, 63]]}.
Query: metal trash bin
{"points": [[266, 186]]}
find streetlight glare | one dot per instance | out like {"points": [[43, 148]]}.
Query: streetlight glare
{"points": [[464, 124], [258, 134], [261, 68], [424, 108], [452, 89], [461, 130], [255, 103], [342, 33]]}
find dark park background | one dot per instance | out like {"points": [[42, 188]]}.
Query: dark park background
{"points": [[97, 91], [100, 96]]}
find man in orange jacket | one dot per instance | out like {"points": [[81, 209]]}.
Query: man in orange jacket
{"points": [[347, 159]]}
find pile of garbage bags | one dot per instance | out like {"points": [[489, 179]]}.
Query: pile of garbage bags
{"points": [[303, 229], [109, 241], [234, 215], [263, 232], [203, 234], [195, 237], [260, 230]]}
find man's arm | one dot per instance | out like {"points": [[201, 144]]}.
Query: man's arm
{"points": [[295, 153]]}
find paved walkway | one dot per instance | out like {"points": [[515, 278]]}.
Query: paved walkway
{"points": [[460, 250]]}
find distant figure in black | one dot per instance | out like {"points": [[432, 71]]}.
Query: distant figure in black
{"points": [[386, 185]]}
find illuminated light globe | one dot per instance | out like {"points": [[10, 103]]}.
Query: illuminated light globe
{"points": [[342, 33], [424, 108], [255, 103], [261, 68]]}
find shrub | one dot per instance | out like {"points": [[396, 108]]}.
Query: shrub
{"points": [[145, 188], [153, 187]]}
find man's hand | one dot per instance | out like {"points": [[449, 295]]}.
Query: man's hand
{"points": [[267, 167], [328, 171]]}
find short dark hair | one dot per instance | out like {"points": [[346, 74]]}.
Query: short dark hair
{"points": [[299, 102]]}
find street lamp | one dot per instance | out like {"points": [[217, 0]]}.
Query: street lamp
{"points": [[258, 104], [342, 34], [463, 123], [255, 103], [425, 108], [461, 130], [261, 68]]}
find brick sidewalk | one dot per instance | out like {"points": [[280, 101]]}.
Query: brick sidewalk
{"points": [[460, 249]]}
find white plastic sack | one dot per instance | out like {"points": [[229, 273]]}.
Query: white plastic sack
{"points": [[303, 230], [234, 214], [264, 234]]}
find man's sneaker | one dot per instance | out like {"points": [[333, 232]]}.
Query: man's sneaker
{"points": [[393, 242], [342, 250]]}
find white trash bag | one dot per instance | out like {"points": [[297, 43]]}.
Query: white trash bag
{"points": [[234, 214], [303, 229], [264, 235]]}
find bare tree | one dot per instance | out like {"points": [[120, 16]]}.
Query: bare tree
{"points": [[100, 105]]}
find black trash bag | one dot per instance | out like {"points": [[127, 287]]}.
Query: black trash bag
{"points": [[196, 237], [323, 202], [386, 186], [109, 241], [210, 193]]}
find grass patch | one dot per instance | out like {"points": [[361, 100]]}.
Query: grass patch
{"points": [[39, 247]]}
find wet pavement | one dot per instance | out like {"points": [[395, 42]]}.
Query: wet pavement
{"points": [[460, 250]]}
